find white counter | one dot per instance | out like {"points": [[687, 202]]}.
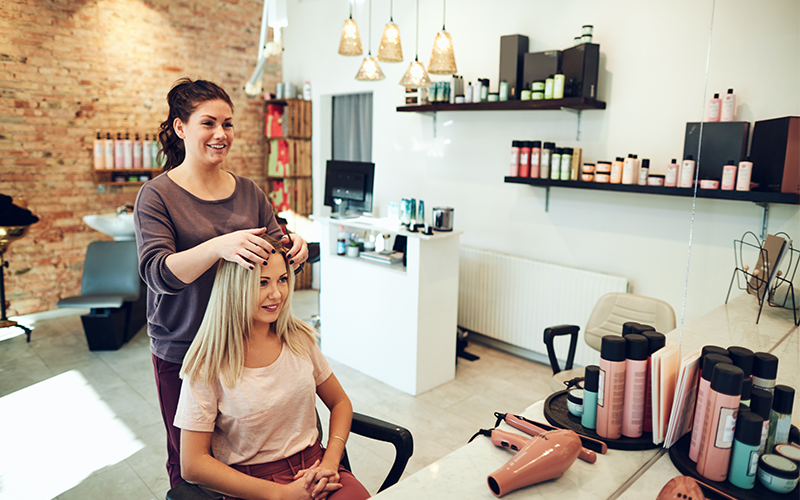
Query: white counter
{"points": [[396, 324]]}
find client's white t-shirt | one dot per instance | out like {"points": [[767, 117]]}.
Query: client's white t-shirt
{"points": [[267, 416]]}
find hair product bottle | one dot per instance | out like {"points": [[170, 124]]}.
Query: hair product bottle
{"points": [[644, 171], [655, 341], [558, 87], [566, 164], [761, 405], [744, 174], [590, 389], [714, 109], [744, 457], [747, 390], [780, 418], [119, 155], [108, 151], [728, 113], [548, 87], [720, 422], [611, 387], [743, 358], [525, 159], [137, 152], [127, 151], [158, 160], [616, 170], [765, 371], [671, 179], [515, 146], [709, 362], [147, 145], [637, 351], [555, 164], [728, 176], [99, 153], [536, 155], [629, 170], [547, 151], [687, 173]]}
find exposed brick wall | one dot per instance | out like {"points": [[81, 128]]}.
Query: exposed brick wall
{"points": [[70, 68]]}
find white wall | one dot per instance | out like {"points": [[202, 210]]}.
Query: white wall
{"points": [[654, 58]]}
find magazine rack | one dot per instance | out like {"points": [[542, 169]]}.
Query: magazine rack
{"points": [[757, 281]]}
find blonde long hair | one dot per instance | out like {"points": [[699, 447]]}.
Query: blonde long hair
{"points": [[218, 349]]}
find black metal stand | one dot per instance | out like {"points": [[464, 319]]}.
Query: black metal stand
{"points": [[4, 321], [757, 282]]}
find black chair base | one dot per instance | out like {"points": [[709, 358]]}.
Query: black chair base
{"points": [[105, 329]]}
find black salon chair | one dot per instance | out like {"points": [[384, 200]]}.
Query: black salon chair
{"points": [[113, 291], [362, 425]]}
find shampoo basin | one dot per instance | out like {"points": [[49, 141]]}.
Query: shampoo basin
{"points": [[118, 226]]}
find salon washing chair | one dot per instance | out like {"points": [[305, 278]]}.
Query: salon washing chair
{"points": [[113, 291], [362, 425], [607, 318]]}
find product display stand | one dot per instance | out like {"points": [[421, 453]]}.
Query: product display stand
{"points": [[757, 281]]}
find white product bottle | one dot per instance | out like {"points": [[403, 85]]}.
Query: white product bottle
{"points": [[109, 151], [468, 93], [687, 172], [307, 91], [672, 174], [127, 151], [99, 153], [714, 109], [743, 175], [476, 93], [644, 171], [629, 173], [728, 107], [147, 156]]}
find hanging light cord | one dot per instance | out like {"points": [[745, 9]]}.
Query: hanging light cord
{"points": [[351, 9], [444, 11], [369, 31], [416, 47], [391, 10]]}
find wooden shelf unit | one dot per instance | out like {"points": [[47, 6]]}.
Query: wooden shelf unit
{"points": [[106, 176], [572, 103]]}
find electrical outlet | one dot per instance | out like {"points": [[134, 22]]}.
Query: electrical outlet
{"points": [[101, 188]]}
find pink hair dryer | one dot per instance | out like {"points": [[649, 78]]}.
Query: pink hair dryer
{"points": [[545, 457]]}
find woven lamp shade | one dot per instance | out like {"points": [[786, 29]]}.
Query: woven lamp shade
{"points": [[350, 45], [416, 76], [370, 71], [390, 49], [443, 60]]}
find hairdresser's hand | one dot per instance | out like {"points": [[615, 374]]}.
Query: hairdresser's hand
{"points": [[299, 251], [244, 247]]}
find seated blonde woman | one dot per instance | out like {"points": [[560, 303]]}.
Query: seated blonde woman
{"points": [[250, 380]]}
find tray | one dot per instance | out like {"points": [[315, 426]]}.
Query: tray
{"points": [[679, 454], [557, 413]]}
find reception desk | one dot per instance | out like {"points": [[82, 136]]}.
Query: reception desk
{"points": [[394, 323]]}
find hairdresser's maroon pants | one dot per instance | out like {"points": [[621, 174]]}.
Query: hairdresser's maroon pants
{"points": [[168, 384], [283, 471]]}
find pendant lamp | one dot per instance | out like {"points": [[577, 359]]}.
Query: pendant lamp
{"points": [[416, 76], [350, 45], [369, 70], [443, 60], [390, 49]]}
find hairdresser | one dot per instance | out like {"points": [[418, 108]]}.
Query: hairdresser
{"points": [[186, 220]]}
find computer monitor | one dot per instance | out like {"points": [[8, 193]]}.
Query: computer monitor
{"points": [[348, 187]]}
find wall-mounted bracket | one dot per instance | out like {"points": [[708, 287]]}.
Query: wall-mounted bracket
{"points": [[577, 112], [764, 219], [431, 114], [547, 199]]}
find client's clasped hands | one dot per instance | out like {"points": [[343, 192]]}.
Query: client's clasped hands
{"points": [[318, 481]]}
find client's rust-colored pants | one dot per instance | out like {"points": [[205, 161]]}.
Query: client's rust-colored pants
{"points": [[283, 471]]}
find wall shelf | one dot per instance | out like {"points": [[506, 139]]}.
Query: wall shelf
{"points": [[106, 176], [576, 103]]}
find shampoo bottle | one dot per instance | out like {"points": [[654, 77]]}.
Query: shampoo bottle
{"points": [[555, 164], [547, 150], [119, 155], [714, 109], [744, 173], [720, 422], [536, 154], [137, 152], [644, 171], [671, 179], [629, 170], [728, 176], [635, 378], [109, 151], [147, 155], [728, 113], [709, 362], [515, 147], [99, 153], [616, 170], [566, 164], [611, 387], [687, 173], [127, 151]]}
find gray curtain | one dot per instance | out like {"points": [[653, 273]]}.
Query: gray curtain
{"points": [[352, 127]]}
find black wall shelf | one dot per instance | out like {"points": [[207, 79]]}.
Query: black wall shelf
{"points": [[574, 103], [752, 196]]}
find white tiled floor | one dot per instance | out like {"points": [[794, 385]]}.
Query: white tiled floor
{"points": [[112, 442]]}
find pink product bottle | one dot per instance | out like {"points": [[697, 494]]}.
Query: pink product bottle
{"points": [[728, 176], [673, 169], [515, 158], [536, 155], [616, 170], [687, 173], [99, 154], [525, 159], [709, 362], [744, 174], [108, 149], [147, 154], [611, 389], [137, 152], [119, 155], [714, 109], [127, 151], [728, 113], [635, 378], [720, 422]]}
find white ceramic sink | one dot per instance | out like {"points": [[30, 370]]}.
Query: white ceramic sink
{"points": [[119, 227]]}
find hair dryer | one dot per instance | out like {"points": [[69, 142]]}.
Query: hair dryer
{"points": [[535, 428], [545, 457]]}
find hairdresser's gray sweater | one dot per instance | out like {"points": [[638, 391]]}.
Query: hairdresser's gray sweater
{"points": [[169, 219]]}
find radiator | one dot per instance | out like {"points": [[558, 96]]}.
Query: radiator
{"points": [[513, 300]]}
